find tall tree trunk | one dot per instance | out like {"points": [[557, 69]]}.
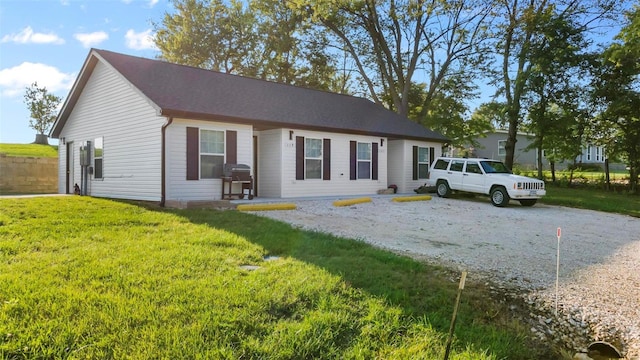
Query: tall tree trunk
{"points": [[552, 165], [510, 146], [607, 175], [633, 180], [539, 161]]}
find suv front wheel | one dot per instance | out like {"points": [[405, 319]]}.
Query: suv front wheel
{"points": [[443, 189], [499, 196]]}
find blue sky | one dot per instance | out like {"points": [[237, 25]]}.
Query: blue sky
{"points": [[48, 40]]}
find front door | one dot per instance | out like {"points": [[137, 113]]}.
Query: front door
{"points": [[70, 157], [473, 178]]}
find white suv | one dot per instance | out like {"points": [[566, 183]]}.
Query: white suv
{"points": [[484, 176]]}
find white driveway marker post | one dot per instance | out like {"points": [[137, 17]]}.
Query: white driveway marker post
{"points": [[558, 233]]}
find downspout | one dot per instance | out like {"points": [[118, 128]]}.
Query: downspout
{"points": [[163, 166]]}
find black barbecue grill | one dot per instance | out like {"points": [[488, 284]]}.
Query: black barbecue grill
{"points": [[237, 174]]}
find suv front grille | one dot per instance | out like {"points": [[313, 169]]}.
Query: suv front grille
{"points": [[532, 186]]}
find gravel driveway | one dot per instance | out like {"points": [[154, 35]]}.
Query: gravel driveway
{"points": [[516, 247]]}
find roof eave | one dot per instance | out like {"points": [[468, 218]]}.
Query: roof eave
{"points": [[282, 124]]}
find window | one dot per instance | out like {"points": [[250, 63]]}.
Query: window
{"points": [[423, 162], [589, 153], [441, 164], [211, 154], [98, 153], [599, 154], [364, 160], [473, 167], [457, 165], [312, 158], [501, 147], [494, 167]]}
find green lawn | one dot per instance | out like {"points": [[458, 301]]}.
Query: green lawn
{"points": [[34, 150], [600, 200], [91, 278]]}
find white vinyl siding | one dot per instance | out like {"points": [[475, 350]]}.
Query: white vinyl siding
{"points": [[401, 163], [340, 184], [178, 188], [111, 109]]}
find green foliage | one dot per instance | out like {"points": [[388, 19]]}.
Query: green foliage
{"points": [[260, 39], [110, 280], [529, 40], [391, 43], [617, 91], [34, 150], [42, 107], [447, 112], [556, 101]]}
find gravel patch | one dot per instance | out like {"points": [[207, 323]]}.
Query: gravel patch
{"points": [[514, 247]]}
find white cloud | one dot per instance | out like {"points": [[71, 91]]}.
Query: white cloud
{"points": [[27, 36], [127, 1], [13, 81], [152, 3], [90, 39], [140, 41]]}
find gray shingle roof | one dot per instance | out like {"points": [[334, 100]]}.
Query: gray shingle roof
{"points": [[184, 91]]}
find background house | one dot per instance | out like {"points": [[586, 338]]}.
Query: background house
{"points": [[492, 145], [145, 129]]}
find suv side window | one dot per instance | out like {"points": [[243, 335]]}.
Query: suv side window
{"points": [[441, 164], [473, 167], [456, 165]]}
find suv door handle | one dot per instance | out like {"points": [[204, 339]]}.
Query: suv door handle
{"points": [[465, 174]]}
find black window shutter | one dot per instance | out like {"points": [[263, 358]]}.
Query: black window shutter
{"points": [[415, 163], [374, 161], [326, 159], [232, 147], [299, 158], [432, 155], [193, 153], [353, 160]]}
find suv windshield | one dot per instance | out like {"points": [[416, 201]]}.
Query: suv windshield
{"points": [[494, 167]]}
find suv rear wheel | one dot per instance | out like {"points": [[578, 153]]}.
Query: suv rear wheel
{"points": [[499, 196], [443, 189]]}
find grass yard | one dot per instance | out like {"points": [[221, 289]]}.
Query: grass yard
{"points": [[34, 150], [600, 200], [91, 278]]}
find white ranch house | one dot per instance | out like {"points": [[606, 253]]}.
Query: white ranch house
{"points": [[162, 132]]}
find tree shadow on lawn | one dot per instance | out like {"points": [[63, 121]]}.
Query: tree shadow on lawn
{"points": [[421, 290]]}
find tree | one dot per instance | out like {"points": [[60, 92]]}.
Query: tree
{"points": [[519, 34], [391, 41], [261, 38], [447, 113], [555, 101], [617, 91], [493, 113], [42, 107]]}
